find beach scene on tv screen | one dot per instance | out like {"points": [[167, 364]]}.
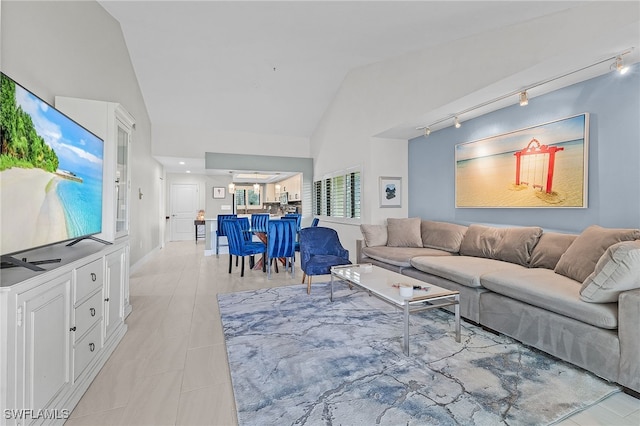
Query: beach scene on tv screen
{"points": [[50, 173]]}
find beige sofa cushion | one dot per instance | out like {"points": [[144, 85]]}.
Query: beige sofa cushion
{"points": [[401, 256], [556, 293], [374, 235], [580, 259], [464, 270], [550, 247], [617, 270], [442, 235], [508, 244], [404, 232]]}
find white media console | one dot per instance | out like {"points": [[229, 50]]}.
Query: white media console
{"points": [[59, 327]]}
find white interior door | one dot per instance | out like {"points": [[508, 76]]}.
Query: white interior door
{"points": [[184, 209]]}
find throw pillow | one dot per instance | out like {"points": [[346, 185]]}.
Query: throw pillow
{"points": [[580, 259], [404, 232], [442, 235], [374, 235], [512, 245], [550, 247], [617, 270]]}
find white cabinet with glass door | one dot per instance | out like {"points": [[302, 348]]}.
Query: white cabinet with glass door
{"points": [[122, 179]]}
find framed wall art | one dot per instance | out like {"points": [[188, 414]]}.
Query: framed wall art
{"points": [[219, 192], [390, 189], [539, 166]]}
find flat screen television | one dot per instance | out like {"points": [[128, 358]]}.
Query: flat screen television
{"points": [[50, 174]]}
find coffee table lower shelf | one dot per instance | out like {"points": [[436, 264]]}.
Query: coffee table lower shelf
{"points": [[439, 299]]}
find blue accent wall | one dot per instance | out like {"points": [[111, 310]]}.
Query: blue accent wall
{"points": [[613, 102]]}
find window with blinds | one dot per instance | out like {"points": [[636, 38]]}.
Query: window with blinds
{"points": [[338, 195]]}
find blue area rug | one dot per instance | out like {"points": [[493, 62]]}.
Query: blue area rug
{"points": [[303, 360]]}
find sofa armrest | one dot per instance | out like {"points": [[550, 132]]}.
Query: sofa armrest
{"points": [[629, 335]]}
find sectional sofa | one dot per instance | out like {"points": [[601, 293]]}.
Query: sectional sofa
{"points": [[576, 297]]}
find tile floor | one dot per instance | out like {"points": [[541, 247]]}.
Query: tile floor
{"points": [[171, 366]]}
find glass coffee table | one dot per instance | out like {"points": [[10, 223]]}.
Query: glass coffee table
{"points": [[383, 284]]}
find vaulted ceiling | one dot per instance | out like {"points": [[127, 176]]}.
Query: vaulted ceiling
{"points": [[273, 67]]}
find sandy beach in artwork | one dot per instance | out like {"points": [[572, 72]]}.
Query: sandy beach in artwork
{"points": [[490, 181], [40, 217]]}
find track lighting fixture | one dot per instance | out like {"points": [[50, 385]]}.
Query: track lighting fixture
{"points": [[618, 65], [524, 98]]}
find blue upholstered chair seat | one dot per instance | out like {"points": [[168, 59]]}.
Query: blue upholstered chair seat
{"points": [[321, 264], [253, 248]]}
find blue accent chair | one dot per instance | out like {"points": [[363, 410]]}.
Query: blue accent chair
{"points": [[281, 239], [220, 231], [315, 222], [320, 249], [260, 222], [238, 246]]}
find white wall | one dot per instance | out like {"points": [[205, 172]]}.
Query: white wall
{"points": [[380, 96], [76, 49]]}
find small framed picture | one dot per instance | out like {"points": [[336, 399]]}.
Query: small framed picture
{"points": [[390, 191], [219, 192]]}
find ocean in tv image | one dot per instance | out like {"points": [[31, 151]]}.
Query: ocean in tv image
{"points": [[50, 173], [551, 173]]}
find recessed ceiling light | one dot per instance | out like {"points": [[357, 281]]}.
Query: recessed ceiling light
{"points": [[188, 171], [181, 163]]}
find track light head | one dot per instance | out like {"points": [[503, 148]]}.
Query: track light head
{"points": [[524, 98], [427, 131], [456, 122], [619, 65]]}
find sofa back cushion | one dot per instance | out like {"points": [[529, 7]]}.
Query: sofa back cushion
{"points": [[508, 244], [580, 259], [442, 235], [617, 270], [550, 247], [374, 235], [404, 232]]}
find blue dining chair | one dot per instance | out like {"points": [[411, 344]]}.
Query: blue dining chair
{"points": [[238, 246], [315, 221], [320, 249], [281, 238], [298, 218], [220, 231], [245, 227], [259, 222], [294, 220]]}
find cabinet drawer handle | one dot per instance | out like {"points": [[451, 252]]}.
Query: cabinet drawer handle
{"points": [[72, 328], [93, 312], [106, 300], [93, 276], [92, 347]]}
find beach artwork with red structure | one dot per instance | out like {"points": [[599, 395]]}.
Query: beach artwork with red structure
{"points": [[540, 166]]}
